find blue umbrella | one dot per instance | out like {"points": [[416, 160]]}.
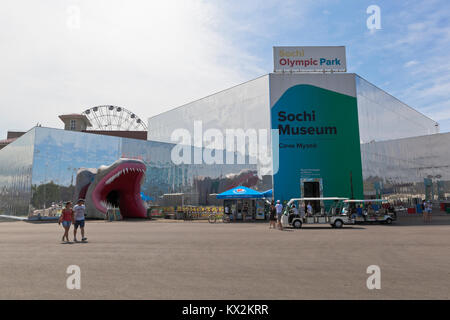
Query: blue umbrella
{"points": [[240, 192], [146, 198], [268, 193]]}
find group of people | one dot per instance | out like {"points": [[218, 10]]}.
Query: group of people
{"points": [[276, 212], [75, 215]]}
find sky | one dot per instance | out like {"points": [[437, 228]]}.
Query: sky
{"points": [[65, 56]]}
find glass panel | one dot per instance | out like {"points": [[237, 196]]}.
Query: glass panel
{"points": [[16, 161], [241, 107], [383, 117], [410, 168], [59, 154], [402, 157]]}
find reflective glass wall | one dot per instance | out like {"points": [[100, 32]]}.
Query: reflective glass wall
{"points": [[59, 154], [196, 181], [404, 169], [245, 106], [57, 157], [383, 117], [16, 161], [402, 157]]}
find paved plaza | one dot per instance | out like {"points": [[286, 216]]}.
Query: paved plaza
{"points": [[198, 260]]}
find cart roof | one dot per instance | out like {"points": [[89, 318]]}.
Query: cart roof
{"points": [[314, 199], [366, 200]]}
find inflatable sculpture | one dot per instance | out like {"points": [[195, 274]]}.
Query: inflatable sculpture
{"points": [[114, 186]]}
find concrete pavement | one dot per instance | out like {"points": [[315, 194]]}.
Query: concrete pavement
{"points": [[197, 260]]}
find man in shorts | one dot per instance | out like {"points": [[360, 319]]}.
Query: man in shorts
{"points": [[279, 209], [79, 211]]}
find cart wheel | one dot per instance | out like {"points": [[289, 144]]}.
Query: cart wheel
{"points": [[338, 224], [212, 218], [388, 221], [297, 224]]}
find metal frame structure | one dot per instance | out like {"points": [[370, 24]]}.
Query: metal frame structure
{"points": [[109, 118]]}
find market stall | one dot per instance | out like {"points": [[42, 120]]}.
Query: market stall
{"points": [[244, 204]]}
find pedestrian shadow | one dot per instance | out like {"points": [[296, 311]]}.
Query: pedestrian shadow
{"points": [[74, 242]]}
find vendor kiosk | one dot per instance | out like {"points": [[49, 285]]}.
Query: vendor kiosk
{"points": [[244, 204]]}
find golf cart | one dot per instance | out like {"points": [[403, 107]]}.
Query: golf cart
{"points": [[370, 211], [331, 213]]}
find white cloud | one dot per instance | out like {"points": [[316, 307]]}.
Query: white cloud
{"points": [[148, 56], [419, 40], [440, 111], [410, 63]]}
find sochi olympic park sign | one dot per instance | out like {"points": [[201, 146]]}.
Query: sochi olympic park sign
{"points": [[309, 59]]}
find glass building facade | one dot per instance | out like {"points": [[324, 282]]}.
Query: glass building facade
{"points": [[392, 135], [400, 148], [40, 168], [402, 155], [407, 169], [380, 115], [242, 106], [383, 117], [16, 166]]}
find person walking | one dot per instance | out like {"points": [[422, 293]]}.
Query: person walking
{"points": [[279, 210], [79, 218], [66, 218], [272, 216], [429, 209], [424, 212]]}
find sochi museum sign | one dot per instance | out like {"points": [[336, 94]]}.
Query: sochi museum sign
{"points": [[318, 146], [309, 59]]}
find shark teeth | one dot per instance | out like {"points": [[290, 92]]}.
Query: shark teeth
{"points": [[123, 171], [108, 205]]}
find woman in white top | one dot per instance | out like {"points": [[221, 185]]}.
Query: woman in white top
{"points": [[309, 209]]}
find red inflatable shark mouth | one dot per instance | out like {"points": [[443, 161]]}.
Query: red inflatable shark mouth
{"points": [[121, 188]]}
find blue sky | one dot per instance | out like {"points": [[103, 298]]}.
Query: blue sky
{"points": [[409, 57], [151, 56]]}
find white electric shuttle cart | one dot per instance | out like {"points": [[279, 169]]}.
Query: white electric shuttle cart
{"points": [[370, 211], [331, 214]]}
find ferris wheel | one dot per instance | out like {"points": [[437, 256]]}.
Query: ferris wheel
{"points": [[113, 118]]}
